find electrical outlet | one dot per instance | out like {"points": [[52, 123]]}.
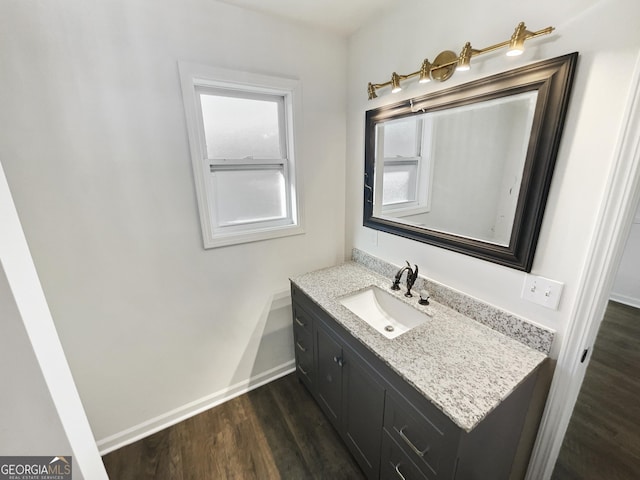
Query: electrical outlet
{"points": [[542, 291]]}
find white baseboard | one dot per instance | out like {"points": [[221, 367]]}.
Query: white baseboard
{"points": [[631, 301], [153, 425]]}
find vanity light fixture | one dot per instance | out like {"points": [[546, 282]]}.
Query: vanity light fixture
{"points": [[447, 62]]}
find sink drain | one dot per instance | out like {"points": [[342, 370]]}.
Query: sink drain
{"points": [[389, 328]]}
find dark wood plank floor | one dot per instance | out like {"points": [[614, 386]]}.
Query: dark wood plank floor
{"points": [[603, 437], [274, 432]]}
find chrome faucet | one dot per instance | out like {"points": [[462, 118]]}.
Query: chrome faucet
{"points": [[412, 276]]}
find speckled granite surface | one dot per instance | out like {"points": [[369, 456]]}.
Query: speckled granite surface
{"points": [[463, 367], [534, 336]]}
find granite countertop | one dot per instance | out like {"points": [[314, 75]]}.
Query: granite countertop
{"points": [[463, 367]]}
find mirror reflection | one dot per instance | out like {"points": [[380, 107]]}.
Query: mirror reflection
{"points": [[457, 170]]}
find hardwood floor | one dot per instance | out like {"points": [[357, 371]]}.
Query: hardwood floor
{"points": [[274, 432], [603, 437]]}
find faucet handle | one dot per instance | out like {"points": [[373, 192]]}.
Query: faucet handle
{"points": [[424, 297]]}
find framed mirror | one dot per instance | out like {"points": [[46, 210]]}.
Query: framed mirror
{"points": [[469, 168]]}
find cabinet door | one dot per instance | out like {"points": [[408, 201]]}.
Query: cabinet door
{"points": [[329, 376], [363, 411]]}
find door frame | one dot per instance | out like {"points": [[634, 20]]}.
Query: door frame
{"points": [[615, 217]]}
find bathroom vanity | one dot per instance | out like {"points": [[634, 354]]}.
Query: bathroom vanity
{"points": [[448, 399]]}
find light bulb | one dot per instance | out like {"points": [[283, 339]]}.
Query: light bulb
{"points": [[395, 83], [464, 60], [425, 72]]}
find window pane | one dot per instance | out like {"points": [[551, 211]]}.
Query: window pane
{"points": [[240, 127], [401, 138], [244, 196], [399, 182]]}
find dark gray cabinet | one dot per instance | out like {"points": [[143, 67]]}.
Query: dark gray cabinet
{"points": [[391, 429], [348, 390]]}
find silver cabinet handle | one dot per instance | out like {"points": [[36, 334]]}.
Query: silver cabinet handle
{"points": [[301, 347], [302, 370], [338, 360], [397, 468], [300, 323], [415, 449]]}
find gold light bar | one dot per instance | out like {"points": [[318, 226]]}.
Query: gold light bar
{"points": [[448, 62]]}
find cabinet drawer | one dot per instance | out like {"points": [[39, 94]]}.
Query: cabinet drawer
{"points": [[395, 463], [301, 320], [303, 345], [304, 366], [428, 446], [303, 340]]}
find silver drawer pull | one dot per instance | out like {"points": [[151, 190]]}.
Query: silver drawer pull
{"points": [[301, 347], [300, 323], [304, 372], [397, 468], [420, 453]]}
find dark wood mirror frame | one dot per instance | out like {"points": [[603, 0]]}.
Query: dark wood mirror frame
{"points": [[553, 81]]}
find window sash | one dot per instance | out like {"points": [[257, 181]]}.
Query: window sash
{"points": [[247, 163], [412, 190], [278, 99], [414, 124], [237, 225]]}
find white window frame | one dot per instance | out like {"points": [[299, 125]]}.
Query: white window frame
{"points": [[422, 161], [195, 79]]}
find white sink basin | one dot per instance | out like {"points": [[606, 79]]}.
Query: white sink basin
{"points": [[384, 312]]}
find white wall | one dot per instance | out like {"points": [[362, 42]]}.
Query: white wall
{"points": [[626, 287], [415, 30], [94, 145]]}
